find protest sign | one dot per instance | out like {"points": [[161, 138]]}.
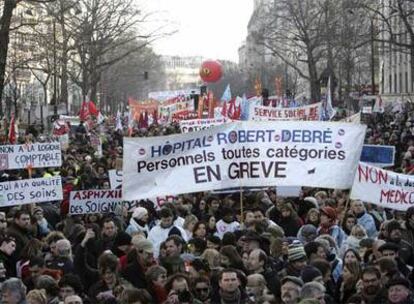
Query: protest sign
{"points": [[170, 109], [384, 188], [200, 124], [115, 178], [379, 156], [38, 155], [95, 201], [316, 154], [137, 108], [310, 112], [27, 191]]}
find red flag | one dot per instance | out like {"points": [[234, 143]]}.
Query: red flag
{"points": [[232, 108], [145, 119], [200, 107], [141, 121], [237, 113], [155, 117], [84, 111], [92, 109], [210, 104], [224, 109], [12, 131]]}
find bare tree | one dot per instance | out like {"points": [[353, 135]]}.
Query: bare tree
{"points": [[102, 27], [5, 26]]}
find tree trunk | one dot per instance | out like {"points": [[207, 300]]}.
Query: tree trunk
{"points": [[315, 86], [5, 21]]}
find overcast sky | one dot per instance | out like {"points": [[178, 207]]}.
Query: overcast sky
{"points": [[210, 28]]}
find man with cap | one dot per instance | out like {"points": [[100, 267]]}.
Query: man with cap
{"points": [[296, 260], [164, 229], [394, 235], [250, 241], [399, 291], [329, 226], [290, 290], [142, 258], [138, 221], [391, 250]]}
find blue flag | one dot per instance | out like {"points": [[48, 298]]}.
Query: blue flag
{"points": [[245, 108]]}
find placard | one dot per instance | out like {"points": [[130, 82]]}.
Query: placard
{"points": [[310, 112], [384, 188], [37, 155], [27, 191], [201, 124]]}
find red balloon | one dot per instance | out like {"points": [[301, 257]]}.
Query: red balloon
{"points": [[211, 71]]}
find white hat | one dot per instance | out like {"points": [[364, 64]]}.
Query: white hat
{"points": [[312, 200], [139, 213]]}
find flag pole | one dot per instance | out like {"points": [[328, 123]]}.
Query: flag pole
{"points": [[241, 205]]}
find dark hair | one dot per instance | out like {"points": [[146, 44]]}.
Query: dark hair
{"points": [[177, 276], [19, 213], [323, 266], [73, 281], [108, 261], [199, 244], [371, 270], [178, 240], [229, 239], [233, 255], [37, 261], [166, 212], [354, 252], [197, 225], [312, 248], [227, 270]]}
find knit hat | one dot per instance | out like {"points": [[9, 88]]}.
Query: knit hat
{"points": [[399, 281], [122, 238], [296, 252], [329, 212], [308, 233], [295, 280], [312, 200], [139, 213], [309, 273], [37, 209]]}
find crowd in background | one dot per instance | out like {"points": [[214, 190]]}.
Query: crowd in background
{"points": [[319, 247]]}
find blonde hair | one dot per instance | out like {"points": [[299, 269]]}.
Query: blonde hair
{"points": [[64, 248], [212, 256], [191, 218], [38, 295], [357, 228]]}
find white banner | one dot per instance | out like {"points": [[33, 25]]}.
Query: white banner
{"points": [[95, 201], [316, 154], [165, 95], [310, 112], [384, 188], [27, 191], [170, 109], [201, 124], [38, 155]]}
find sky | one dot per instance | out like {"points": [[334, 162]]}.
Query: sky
{"points": [[214, 29]]}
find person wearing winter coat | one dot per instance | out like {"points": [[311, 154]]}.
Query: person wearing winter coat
{"points": [[138, 221]]}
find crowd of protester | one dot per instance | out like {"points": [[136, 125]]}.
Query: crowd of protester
{"points": [[319, 247]]}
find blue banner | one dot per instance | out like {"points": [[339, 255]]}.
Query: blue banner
{"points": [[380, 156]]}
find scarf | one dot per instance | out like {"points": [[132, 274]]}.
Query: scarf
{"points": [[230, 297], [137, 227], [326, 228]]}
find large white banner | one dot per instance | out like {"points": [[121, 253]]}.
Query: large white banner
{"points": [[384, 188], [38, 155], [201, 124], [165, 95], [314, 154], [310, 112], [27, 191]]}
